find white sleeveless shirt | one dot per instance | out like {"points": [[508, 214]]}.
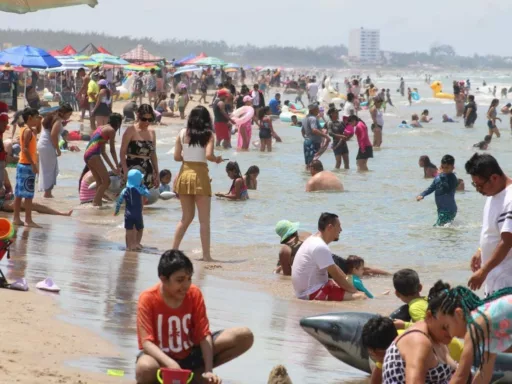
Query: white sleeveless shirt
{"points": [[192, 152]]}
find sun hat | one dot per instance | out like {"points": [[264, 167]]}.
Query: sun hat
{"points": [[247, 98], [286, 228]]}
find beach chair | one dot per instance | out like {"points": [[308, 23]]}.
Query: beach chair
{"points": [[4, 251]]}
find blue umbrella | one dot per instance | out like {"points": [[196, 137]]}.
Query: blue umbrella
{"points": [[28, 57], [186, 58]]}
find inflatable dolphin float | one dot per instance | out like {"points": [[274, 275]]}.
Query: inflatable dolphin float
{"points": [[340, 333]]}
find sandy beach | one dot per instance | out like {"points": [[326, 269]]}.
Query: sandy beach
{"points": [[36, 345]]}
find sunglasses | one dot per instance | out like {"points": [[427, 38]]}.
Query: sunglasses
{"points": [[147, 119], [480, 186]]}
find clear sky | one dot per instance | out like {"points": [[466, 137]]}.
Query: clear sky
{"points": [[477, 27]]}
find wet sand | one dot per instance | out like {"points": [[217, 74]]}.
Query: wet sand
{"points": [[99, 289]]}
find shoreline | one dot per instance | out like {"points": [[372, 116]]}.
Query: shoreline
{"points": [[45, 347]]}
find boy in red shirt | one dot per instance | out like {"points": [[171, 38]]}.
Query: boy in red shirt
{"points": [[173, 330]]}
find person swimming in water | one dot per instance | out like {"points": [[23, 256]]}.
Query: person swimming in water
{"points": [[429, 170], [483, 145], [425, 118], [238, 190], [448, 119], [415, 121]]}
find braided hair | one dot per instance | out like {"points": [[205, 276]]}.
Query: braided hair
{"points": [[448, 300]]}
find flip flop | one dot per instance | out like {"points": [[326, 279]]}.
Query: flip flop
{"points": [[48, 285], [19, 285]]}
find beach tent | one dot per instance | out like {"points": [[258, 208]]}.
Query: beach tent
{"points": [[68, 50], [25, 6], [89, 50], [139, 55], [54, 52], [103, 50], [197, 58], [184, 59]]}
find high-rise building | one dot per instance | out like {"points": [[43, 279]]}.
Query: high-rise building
{"points": [[364, 45]]}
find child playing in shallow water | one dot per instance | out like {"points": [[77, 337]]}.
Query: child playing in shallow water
{"points": [[355, 268], [238, 190], [133, 221], [251, 177], [266, 130], [165, 180], [444, 185], [483, 145]]}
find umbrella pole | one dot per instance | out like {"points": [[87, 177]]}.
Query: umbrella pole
{"points": [[25, 92]]}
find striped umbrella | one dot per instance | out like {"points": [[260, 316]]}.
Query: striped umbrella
{"points": [[69, 63], [25, 6]]}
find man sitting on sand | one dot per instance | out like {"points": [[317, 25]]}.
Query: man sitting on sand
{"points": [[313, 264], [322, 180], [173, 330]]}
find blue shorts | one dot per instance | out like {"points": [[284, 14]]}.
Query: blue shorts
{"points": [[310, 150], [131, 221], [25, 181]]}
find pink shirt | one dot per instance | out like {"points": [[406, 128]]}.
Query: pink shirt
{"points": [[361, 132]]}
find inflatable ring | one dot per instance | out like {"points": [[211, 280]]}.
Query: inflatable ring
{"points": [[286, 117], [415, 96], [242, 115], [154, 195], [167, 195]]}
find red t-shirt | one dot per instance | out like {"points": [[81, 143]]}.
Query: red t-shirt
{"points": [[174, 330]]}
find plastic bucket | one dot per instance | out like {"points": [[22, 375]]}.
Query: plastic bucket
{"points": [[174, 376], [6, 229]]}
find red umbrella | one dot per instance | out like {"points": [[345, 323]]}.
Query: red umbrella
{"points": [[103, 50], [197, 58]]}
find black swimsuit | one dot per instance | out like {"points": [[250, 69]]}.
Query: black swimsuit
{"points": [[141, 148]]}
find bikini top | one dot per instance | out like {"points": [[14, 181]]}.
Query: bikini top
{"points": [[393, 369], [140, 148]]}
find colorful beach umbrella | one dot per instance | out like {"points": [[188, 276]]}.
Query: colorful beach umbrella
{"points": [[69, 63], [103, 58], [231, 66], [25, 6], [210, 61], [28, 57], [188, 69]]}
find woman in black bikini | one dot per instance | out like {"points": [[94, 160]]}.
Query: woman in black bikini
{"points": [[138, 147]]}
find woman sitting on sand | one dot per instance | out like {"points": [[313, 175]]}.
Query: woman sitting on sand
{"points": [[429, 169], [161, 106]]}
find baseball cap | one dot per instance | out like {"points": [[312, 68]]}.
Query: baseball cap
{"points": [[286, 228], [223, 92], [247, 98]]}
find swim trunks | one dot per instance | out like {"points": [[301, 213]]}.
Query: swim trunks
{"points": [[444, 217], [25, 181], [221, 130], [329, 292], [310, 150]]}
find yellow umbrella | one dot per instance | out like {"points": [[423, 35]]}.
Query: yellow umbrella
{"points": [[25, 6]]}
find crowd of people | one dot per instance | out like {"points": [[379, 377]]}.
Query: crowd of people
{"points": [[172, 325]]}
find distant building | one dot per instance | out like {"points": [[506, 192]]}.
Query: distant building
{"points": [[364, 45]]}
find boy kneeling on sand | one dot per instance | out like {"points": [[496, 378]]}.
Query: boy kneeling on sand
{"points": [[173, 330]]}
